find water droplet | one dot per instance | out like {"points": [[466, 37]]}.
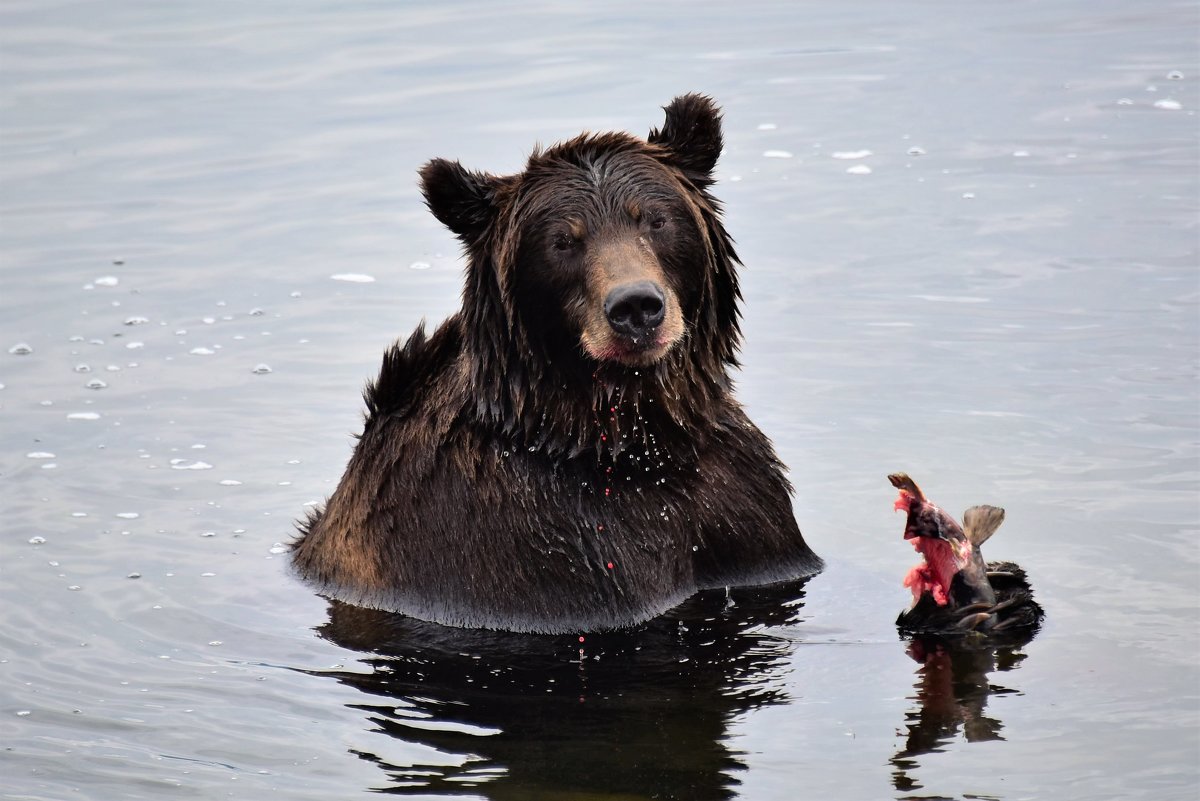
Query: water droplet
{"points": [[24, 713], [767, 126], [208, 534], [1174, 75], [128, 515], [96, 383], [39, 455], [230, 482], [777, 154], [277, 548], [135, 345], [74, 588], [21, 349], [354, 278], [916, 151], [83, 416], [83, 368], [850, 155], [420, 265], [261, 369], [1168, 104], [107, 280], [37, 540], [134, 575], [215, 642], [136, 320], [968, 195], [859, 169], [201, 351]]}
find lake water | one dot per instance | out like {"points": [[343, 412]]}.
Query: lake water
{"points": [[971, 244]]}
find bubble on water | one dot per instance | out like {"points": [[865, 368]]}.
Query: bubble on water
{"points": [[1168, 104], [96, 383], [420, 265], [129, 515], [1124, 101], [354, 278], [83, 416], [295, 294], [277, 548], [1174, 75], [230, 482], [777, 154], [215, 643], [208, 534], [37, 540], [113, 368], [83, 368], [78, 514], [256, 312], [859, 169], [201, 351], [293, 461], [851, 155], [916, 151], [136, 320], [767, 126], [185, 464], [968, 195], [261, 369], [24, 713], [207, 575], [1020, 154], [107, 280], [49, 466], [135, 345], [74, 587], [134, 575], [39, 455], [21, 349]]}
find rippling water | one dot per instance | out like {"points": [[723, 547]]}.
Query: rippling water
{"points": [[970, 234]]}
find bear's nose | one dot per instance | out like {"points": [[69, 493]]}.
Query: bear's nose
{"points": [[635, 309]]}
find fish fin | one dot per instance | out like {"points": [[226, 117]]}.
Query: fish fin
{"points": [[973, 622], [902, 482], [981, 522]]}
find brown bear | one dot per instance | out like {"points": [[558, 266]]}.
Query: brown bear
{"points": [[565, 454]]}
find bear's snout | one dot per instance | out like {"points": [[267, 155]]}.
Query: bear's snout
{"points": [[636, 309]]}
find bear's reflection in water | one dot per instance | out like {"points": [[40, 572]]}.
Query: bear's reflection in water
{"points": [[630, 715], [951, 691]]}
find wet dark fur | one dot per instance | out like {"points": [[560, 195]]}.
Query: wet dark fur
{"points": [[502, 469]]}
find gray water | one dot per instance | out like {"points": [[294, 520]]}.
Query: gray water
{"points": [[1006, 306]]}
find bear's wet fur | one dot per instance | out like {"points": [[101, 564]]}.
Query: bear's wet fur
{"points": [[564, 454]]}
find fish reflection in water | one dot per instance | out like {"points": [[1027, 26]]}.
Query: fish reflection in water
{"points": [[636, 714], [952, 691]]}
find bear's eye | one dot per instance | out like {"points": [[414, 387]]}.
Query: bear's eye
{"points": [[563, 242], [657, 222]]}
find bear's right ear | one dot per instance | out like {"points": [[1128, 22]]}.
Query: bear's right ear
{"points": [[462, 200], [692, 133]]}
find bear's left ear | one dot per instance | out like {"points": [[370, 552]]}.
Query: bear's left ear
{"points": [[692, 132], [462, 200]]}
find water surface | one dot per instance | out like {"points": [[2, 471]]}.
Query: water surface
{"points": [[970, 236]]}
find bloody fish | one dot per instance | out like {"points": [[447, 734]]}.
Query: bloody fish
{"points": [[953, 588]]}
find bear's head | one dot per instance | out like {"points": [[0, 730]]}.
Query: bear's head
{"points": [[603, 260]]}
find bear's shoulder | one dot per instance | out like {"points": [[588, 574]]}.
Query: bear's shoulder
{"points": [[411, 366]]}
